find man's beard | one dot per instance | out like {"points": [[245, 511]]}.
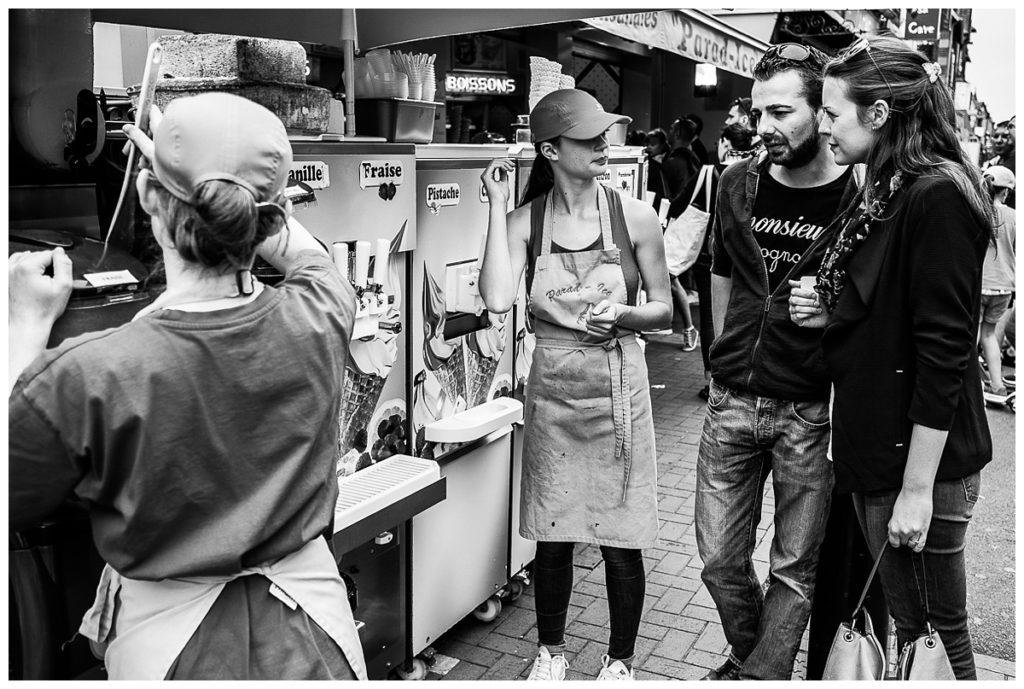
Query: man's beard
{"points": [[795, 156]]}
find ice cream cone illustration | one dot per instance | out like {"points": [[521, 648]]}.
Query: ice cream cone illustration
{"points": [[483, 352], [370, 362], [358, 402], [442, 358]]}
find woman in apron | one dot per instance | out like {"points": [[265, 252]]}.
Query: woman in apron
{"points": [[589, 464], [200, 436]]}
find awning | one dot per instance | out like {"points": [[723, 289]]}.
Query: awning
{"points": [[691, 33], [375, 27]]}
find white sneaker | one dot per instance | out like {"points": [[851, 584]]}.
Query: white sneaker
{"points": [[691, 338], [548, 668], [614, 670]]}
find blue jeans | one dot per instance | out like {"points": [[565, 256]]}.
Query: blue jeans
{"points": [[939, 571], [745, 439]]}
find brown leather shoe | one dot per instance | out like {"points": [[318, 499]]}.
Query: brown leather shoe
{"points": [[728, 671]]}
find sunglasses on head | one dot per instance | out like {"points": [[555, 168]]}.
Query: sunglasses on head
{"points": [[794, 52], [863, 46]]}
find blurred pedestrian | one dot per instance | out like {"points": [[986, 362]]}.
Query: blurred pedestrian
{"points": [[768, 402], [679, 168], [656, 148], [1004, 145], [998, 279], [589, 465], [735, 143], [696, 144], [739, 113], [901, 290]]}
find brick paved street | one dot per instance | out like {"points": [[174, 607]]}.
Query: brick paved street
{"points": [[680, 635]]}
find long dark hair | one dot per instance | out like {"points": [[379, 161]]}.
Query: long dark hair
{"points": [[542, 177], [919, 139]]}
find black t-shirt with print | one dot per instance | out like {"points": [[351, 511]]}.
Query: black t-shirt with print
{"points": [[787, 220]]}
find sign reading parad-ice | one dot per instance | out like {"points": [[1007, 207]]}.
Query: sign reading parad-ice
{"points": [[439, 195], [373, 173], [313, 173]]}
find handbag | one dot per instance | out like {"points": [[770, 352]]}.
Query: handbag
{"points": [[684, 235], [925, 657], [855, 652]]}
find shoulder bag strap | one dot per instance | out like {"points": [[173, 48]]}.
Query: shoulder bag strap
{"points": [[699, 185], [709, 178], [867, 584]]}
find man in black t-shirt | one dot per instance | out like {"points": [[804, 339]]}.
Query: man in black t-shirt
{"points": [[768, 399]]}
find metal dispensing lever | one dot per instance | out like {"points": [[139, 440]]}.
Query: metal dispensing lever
{"points": [[148, 91]]}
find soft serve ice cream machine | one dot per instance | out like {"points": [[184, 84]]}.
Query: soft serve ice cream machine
{"points": [[358, 198]]}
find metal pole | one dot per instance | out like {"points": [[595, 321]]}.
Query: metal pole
{"points": [[349, 42]]}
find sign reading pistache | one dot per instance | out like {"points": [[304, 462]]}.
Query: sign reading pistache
{"points": [[439, 195], [373, 173], [686, 33]]}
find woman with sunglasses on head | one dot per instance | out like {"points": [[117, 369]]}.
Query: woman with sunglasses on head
{"points": [[589, 465], [201, 436], [899, 294]]}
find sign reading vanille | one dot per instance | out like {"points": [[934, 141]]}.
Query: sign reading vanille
{"points": [[681, 33]]}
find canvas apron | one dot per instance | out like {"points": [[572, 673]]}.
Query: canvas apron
{"points": [[589, 466], [155, 619]]}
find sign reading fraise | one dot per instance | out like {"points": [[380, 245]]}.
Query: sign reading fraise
{"points": [[373, 173], [441, 195], [690, 33], [313, 173]]}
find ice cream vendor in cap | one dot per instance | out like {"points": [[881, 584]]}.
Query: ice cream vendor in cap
{"points": [[589, 469], [201, 436]]}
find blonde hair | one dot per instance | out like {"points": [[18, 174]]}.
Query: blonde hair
{"points": [[221, 226]]}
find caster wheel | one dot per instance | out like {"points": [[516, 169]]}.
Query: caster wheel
{"points": [[1011, 404], [417, 671], [488, 611], [514, 589]]}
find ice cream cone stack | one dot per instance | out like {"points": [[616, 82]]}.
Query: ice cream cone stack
{"points": [[479, 376], [358, 402], [452, 375]]}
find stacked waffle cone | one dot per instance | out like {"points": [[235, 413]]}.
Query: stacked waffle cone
{"points": [[451, 374], [479, 376], [546, 76], [358, 402]]}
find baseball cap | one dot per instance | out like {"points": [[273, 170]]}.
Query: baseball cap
{"points": [[220, 136], [572, 113], [1001, 176]]}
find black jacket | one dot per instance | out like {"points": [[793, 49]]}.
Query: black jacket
{"points": [[901, 343], [760, 349], [678, 167]]}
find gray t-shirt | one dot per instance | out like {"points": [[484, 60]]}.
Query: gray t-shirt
{"points": [[200, 443]]}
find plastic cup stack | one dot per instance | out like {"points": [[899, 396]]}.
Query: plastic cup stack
{"points": [[379, 62], [429, 80], [391, 85]]}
